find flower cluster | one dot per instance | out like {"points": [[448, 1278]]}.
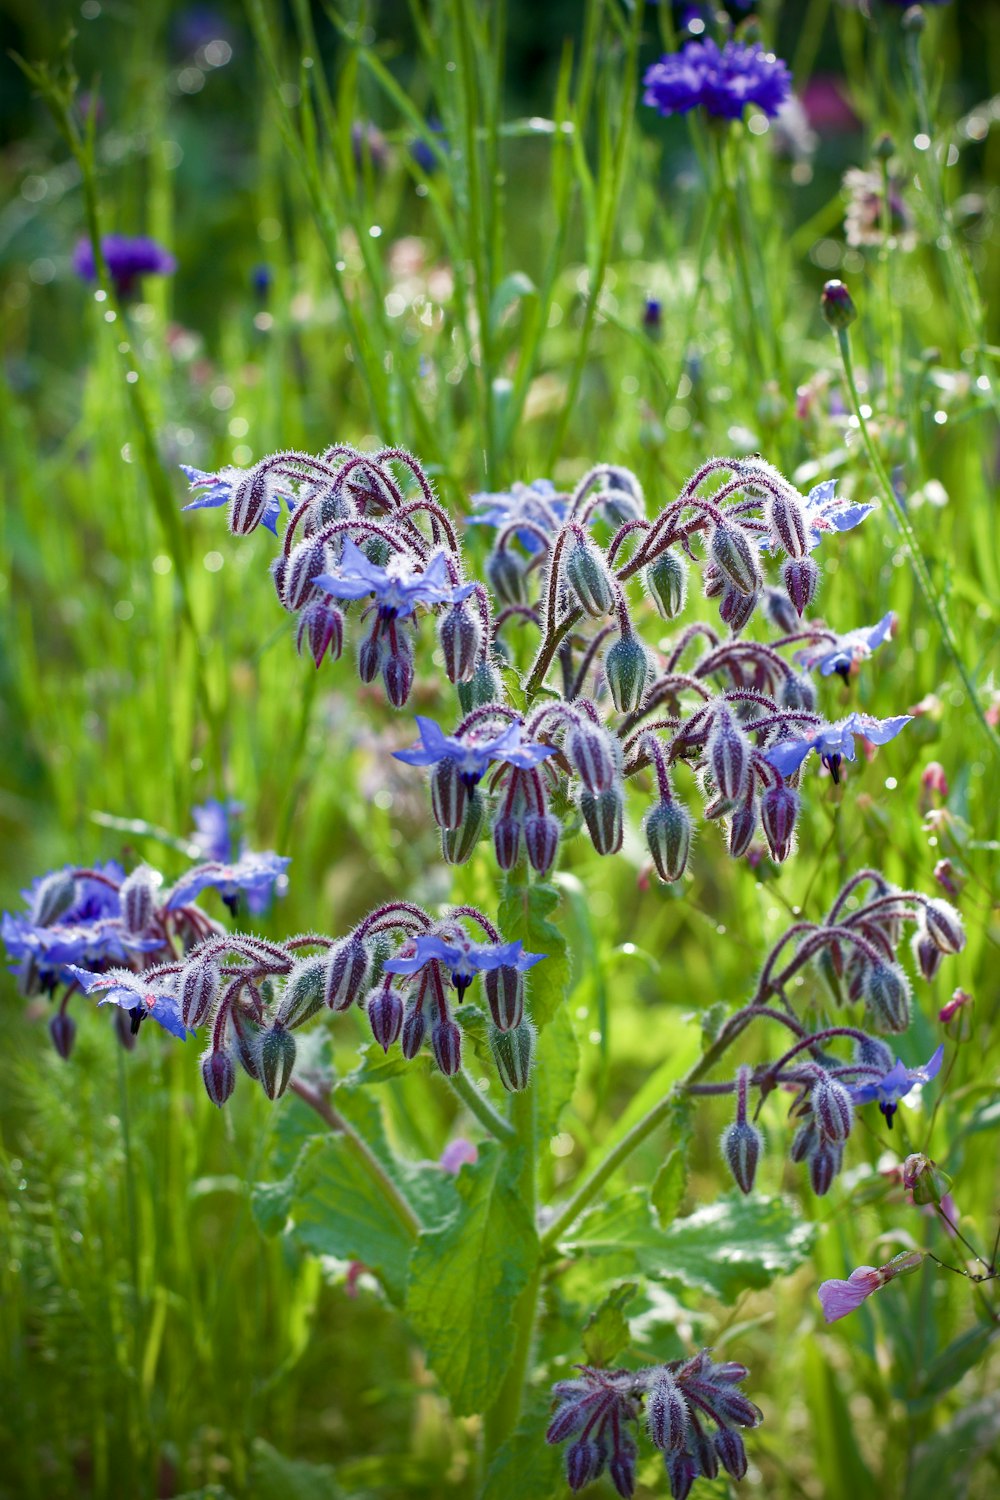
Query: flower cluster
{"points": [[692, 1412], [722, 80]]}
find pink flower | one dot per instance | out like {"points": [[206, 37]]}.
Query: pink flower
{"points": [[457, 1153], [838, 1298]]}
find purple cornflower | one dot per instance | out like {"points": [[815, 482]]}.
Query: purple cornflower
{"points": [[834, 742], [141, 995], [473, 756], [398, 587], [255, 874], [463, 958], [536, 503], [838, 1298], [127, 257], [826, 513], [848, 650], [724, 81], [218, 490], [896, 1084]]}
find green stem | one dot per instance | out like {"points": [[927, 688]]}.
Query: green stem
{"points": [[490, 1119], [920, 567]]}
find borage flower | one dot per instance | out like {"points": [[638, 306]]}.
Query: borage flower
{"points": [[838, 1298], [525, 505], [849, 650], [723, 81], [463, 959], [834, 742], [398, 587], [213, 821], [256, 874], [218, 490], [472, 756], [896, 1084], [141, 995], [826, 512]]}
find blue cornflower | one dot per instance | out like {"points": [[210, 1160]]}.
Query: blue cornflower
{"points": [[834, 742], [463, 958], [724, 81], [214, 821], [896, 1084], [473, 756], [825, 512], [139, 994], [255, 874], [423, 152], [398, 587], [218, 489], [535, 503], [848, 650], [127, 257]]}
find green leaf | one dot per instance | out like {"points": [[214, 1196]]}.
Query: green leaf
{"points": [[526, 1467], [557, 1061], [943, 1465], [712, 1021], [466, 1275], [947, 1368], [524, 914], [607, 1332], [669, 1187], [274, 1477], [377, 1066], [722, 1250], [512, 289], [515, 688]]}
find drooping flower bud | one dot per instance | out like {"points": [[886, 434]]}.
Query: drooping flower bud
{"points": [[457, 844], [138, 900], [713, 581], [824, 1164], [246, 1041], [666, 1413], [446, 1044], [512, 1051], [277, 1059], [414, 1028], [832, 1107], [728, 755], [626, 667], [742, 827], [797, 692], [948, 877], [507, 840], [741, 1146], [590, 753], [589, 581], [732, 1452], [779, 808], [837, 306], [926, 952], [370, 653], [956, 1016], [461, 634], [398, 669], [248, 502], [305, 563], [305, 990], [925, 1179], [53, 896], [736, 608], [62, 1030], [621, 1467], [505, 994], [870, 1052], [219, 1076], [945, 926], [800, 576], [666, 580], [787, 521], [668, 834], [736, 557], [541, 840], [196, 990], [804, 1141], [484, 686], [449, 794], [778, 608], [682, 1471], [583, 1460], [346, 971], [887, 996], [506, 574], [321, 628], [603, 816], [385, 1015]]}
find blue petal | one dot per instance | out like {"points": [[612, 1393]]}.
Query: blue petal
{"points": [[789, 755]]}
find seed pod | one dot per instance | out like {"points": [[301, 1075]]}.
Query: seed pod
{"points": [[196, 990], [666, 1413], [589, 580], [346, 972], [385, 1015], [248, 501], [449, 794], [800, 576], [732, 1452], [603, 816], [506, 574], [321, 628], [541, 840], [787, 521], [627, 668], [457, 844], [735, 556], [589, 752], [779, 808], [277, 1059], [505, 994], [512, 1052], [484, 686], [446, 1044], [304, 991], [62, 1030], [305, 562], [666, 579], [246, 1041], [668, 834], [736, 608], [728, 755], [832, 1107], [944, 925], [54, 895], [887, 997], [460, 633], [219, 1076], [741, 1147]]}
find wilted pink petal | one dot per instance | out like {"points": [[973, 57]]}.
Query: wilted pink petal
{"points": [[838, 1298]]}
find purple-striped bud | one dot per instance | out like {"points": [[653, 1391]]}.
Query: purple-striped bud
{"points": [[736, 608], [461, 634], [887, 996], [569, 1418], [138, 900], [589, 752], [506, 574], [732, 1452], [804, 1141], [588, 580], [621, 1469], [704, 1452], [870, 1052], [712, 581], [370, 653], [800, 576], [788, 524], [248, 502], [507, 840], [457, 844], [668, 834], [196, 990], [797, 692], [728, 754], [666, 580], [741, 1146], [219, 1076], [62, 1030], [603, 816], [682, 1471], [53, 896], [735, 556], [832, 1108], [385, 1015], [927, 953], [449, 794], [413, 1031], [277, 1059], [627, 669], [305, 990], [779, 808], [346, 972], [246, 1041], [484, 686], [305, 563], [666, 1413], [583, 1461], [321, 628], [512, 1052], [778, 608], [505, 993], [279, 575], [824, 1164], [541, 840], [742, 827], [398, 670], [446, 1044], [945, 926]]}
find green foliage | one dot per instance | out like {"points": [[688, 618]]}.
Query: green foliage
{"points": [[607, 1332], [524, 913]]}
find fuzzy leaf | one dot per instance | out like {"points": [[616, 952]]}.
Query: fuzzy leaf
{"points": [[526, 1467], [557, 1060], [275, 1477], [524, 914], [607, 1332], [669, 1187]]}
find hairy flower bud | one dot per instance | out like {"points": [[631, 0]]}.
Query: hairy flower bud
{"points": [[668, 834], [779, 808], [219, 1076], [506, 574], [926, 952], [787, 521], [484, 686], [741, 1146], [449, 794], [248, 502], [385, 1015], [925, 1179], [541, 840], [321, 628], [797, 692], [305, 990], [666, 580], [804, 1141], [590, 753], [62, 1030], [870, 1052], [346, 971], [461, 634], [414, 1028], [832, 1107], [53, 896], [682, 1471], [666, 1413], [621, 1468], [800, 576], [589, 581], [887, 996], [583, 1461], [246, 1041], [446, 1044], [138, 900], [398, 669], [736, 557], [277, 1059], [626, 667], [736, 608], [512, 1052], [507, 840], [824, 1164], [779, 610], [370, 653], [945, 926], [603, 815], [197, 989], [837, 306], [457, 844], [728, 754], [713, 581], [742, 827], [305, 563], [732, 1452], [505, 994]]}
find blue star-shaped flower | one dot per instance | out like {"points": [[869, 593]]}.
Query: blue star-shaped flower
{"points": [[139, 995], [834, 742], [826, 513], [471, 755], [533, 503], [463, 958], [213, 821], [849, 650], [253, 873], [896, 1084], [398, 587], [218, 490]]}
